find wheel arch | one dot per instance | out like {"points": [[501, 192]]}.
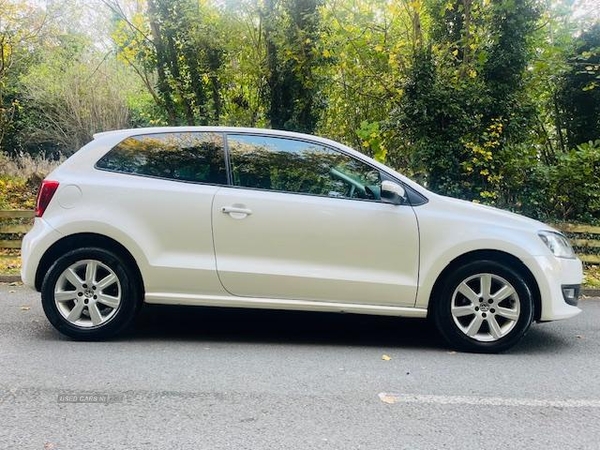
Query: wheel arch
{"points": [[80, 240], [511, 261]]}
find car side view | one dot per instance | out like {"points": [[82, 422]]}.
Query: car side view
{"points": [[255, 218]]}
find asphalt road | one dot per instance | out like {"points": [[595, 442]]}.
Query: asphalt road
{"points": [[195, 378]]}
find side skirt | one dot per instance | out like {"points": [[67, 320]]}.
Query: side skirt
{"points": [[282, 304]]}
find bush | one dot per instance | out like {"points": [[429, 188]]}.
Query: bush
{"points": [[20, 177], [567, 190]]}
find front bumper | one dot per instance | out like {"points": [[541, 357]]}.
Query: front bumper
{"points": [[554, 276]]}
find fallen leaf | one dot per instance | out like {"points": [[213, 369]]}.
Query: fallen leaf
{"points": [[452, 352], [12, 291], [386, 357], [25, 308], [389, 398]]}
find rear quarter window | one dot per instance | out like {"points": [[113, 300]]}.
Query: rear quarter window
{"points": [[197, 157]]}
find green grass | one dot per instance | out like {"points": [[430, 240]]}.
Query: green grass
{"points": [[10, 263], [592, 276]]}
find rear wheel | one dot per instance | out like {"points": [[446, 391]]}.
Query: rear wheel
{"points": [[90, 294], [484, 306]]}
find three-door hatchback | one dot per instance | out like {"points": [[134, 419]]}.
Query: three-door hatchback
{"points": [[258, 218]]}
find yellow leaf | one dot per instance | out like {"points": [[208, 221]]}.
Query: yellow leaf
{"points": [[386, 357], [389, 398]]}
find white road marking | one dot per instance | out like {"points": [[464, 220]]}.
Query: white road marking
{"points": [[487, 401]]}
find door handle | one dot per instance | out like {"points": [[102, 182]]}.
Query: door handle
{"points": [[236, 210]]}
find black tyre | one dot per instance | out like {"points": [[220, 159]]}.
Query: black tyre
{"points": [[484, 307], [90, 294]]}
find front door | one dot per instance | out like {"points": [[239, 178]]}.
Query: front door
{"points": [[305, 222]]}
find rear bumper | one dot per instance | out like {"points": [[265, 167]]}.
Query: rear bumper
{"points": [[35, 244]]}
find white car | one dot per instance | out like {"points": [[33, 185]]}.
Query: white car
{"points": [[255, 218]]}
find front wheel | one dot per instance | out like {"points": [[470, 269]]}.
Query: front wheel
{"points": [[90, 294], [483, 307]]}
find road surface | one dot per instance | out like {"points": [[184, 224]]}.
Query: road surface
{"points": [[196, 378]]}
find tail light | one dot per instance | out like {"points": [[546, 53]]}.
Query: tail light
{"points": [[45, 194]]}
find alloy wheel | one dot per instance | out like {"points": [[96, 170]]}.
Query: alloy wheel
{"points": [[485, 307], [88, 294]]}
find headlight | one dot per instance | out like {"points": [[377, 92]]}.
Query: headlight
{"points": [[557, 243]]}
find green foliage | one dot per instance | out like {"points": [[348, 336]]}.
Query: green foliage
{"points": [[511, 23], [22, 27], [372, 140], [245, 71], [462, 108], [430, 122], [592, 276], [367, 46], [291, 30], [568, 189], [181, 41]]}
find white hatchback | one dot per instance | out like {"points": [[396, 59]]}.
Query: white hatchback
{"points": [[255, 218]]}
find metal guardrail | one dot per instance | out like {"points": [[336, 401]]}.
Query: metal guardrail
{"points": [[585, 238]]}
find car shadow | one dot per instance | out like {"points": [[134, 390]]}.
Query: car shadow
{"points": [[185, 323], [268, 326], [542, 339]]}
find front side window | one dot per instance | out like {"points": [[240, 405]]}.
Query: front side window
{"points": [[195, 157], [289, 165]]}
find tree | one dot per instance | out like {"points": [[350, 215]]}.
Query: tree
{"points": [[245, 73], [177, 49], [291, 29], [579, 94]]}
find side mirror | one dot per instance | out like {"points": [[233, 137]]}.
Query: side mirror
{"points": [[392, 193]]}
